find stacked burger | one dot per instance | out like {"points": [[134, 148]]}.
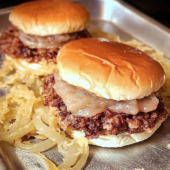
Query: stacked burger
{"points": [[107, 92], [39, 29]]}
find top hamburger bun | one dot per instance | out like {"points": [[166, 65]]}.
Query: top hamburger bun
{"points": [[50, 17], [110, 69]]}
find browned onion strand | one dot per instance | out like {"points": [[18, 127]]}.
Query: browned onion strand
{"points": [[84, 154], [82, 161], [72, 149], [47, 131], [17, 133], [70, 157], [35, 147], [51, 166]]}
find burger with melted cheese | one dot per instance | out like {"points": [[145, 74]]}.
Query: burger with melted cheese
{"points": [[39, 29], [106, 91]]}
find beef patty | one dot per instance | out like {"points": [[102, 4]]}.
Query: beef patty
{"points": [[11, 45], [103, 123]]}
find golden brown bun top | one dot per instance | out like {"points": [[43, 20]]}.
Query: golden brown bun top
{"points": [[50, 17], [109, 69]]}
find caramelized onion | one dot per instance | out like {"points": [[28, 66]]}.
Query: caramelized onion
{"points": [[81, 162], [35, 147], [72, 148], [52, 41], [50, 165], [17, 132], [47, 131], [84, 150], [70, 157]]}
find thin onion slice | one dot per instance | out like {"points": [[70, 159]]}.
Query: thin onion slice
{"points": [[70, 157], [81, 162], [44, 129], [16, 133], [35, 147], [72, 148], [51, 166], [83, 142], [7, 161], [45, 118]]}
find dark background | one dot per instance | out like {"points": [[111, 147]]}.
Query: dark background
{"points": [[157, 9]]}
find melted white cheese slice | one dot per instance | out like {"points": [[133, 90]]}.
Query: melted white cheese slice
{"points": [[83, 103]]}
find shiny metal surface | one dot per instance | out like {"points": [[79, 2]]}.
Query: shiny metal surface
{"points": [[153, 154]]}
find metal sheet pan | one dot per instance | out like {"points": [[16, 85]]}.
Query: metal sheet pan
{"points": [[118, 18]]}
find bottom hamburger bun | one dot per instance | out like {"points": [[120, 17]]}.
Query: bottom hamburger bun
{"points": [[119, 140], [41, 68]]}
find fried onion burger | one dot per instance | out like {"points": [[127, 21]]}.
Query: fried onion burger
{"points": [[106, 91], [39, 29]]}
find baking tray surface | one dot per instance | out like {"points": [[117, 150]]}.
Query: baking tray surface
{"points": [[153, 154]]}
